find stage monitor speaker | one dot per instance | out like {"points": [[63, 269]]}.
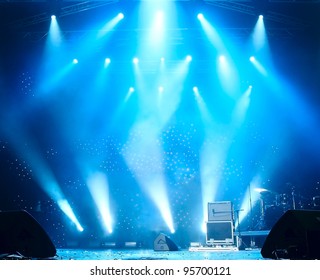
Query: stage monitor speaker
{"points": [[21, 234], [296, 235], [164, 243]]}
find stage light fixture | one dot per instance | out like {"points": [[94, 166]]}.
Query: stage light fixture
{"points": [[252, 58], [75, 61], [65, 206], [120, 15], [200, 16], [188, 58], [129, 93], [53, 17], [222, 58], [107, 60], [135, 60]]}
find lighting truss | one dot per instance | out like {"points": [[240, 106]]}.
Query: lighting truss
{"points": [[64, 11], [294, 1], [233, 5], [250, 9]]}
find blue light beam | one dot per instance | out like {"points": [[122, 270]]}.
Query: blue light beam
{"points": [[109, 26], [42, 172], [99, 189]]}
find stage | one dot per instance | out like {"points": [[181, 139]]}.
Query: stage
{"points": [[124, 120], [248, 248], [140, 254]]}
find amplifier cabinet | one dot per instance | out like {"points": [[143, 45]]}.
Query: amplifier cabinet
{"points": [[220, 232], [220, 211]]}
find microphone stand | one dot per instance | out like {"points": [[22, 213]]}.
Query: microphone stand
{"points": [[252, 245], [238, 226]]}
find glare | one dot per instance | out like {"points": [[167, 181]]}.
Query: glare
{"points": [[250, 199], [110, 25], [241, 107], [259, 35], [227, 71], [197, 95], [99, 189], [212, 34], [203, 109], [54, 34], [204, 227], [159, 18], [188, 58], [260, 190], [222, 58], [66, 208], [258, 66], [200, 16], [129, 93], [75, 61], [135, 60], [107, 61], [228, 75], [42, 172], [161, 89]]}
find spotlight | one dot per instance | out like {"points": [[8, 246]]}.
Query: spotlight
{"points": [[222, 58], [80, 228], [53, 17], [75, 61], [161, 89], [162, 59], [188, 58], [107, 60], [135, 60], [120, 15], [200, 16], [131, 89], [252, 58], [196, 92], [261, 17]]}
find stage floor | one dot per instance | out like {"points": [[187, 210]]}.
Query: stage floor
{"points": [[141, 254]]}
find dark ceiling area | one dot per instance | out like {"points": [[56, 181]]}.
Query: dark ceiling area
{"points": [[292, 26], [283, 17]]}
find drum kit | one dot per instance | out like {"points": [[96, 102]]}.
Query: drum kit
{"points": [[274, 205]]}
